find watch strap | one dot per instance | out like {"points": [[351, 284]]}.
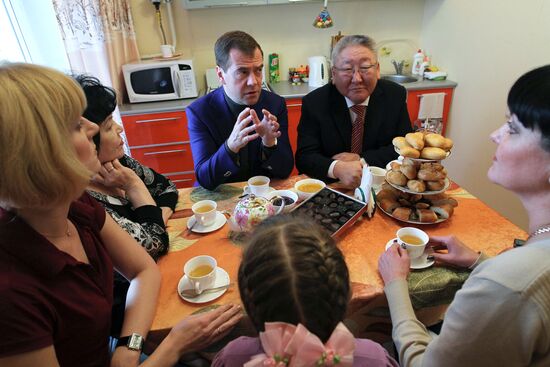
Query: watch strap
{"points": [[133, 342]]}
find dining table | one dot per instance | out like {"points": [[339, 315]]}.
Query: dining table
{"points": [[431, 289]]}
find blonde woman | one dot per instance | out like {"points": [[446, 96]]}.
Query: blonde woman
{"points": [[57, 246]]}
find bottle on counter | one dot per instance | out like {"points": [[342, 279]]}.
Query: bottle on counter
{"points": [[418, 58], [424, 66]]}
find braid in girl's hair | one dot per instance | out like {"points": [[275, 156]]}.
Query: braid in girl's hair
{"points": [[293, 272]]}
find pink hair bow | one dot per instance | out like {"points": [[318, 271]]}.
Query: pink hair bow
{"points": [[287, 345]]}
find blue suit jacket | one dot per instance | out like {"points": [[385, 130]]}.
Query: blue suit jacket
{"points": [[210, 123]]}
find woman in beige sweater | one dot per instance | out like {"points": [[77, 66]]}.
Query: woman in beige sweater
{"points": [[501, 316]]}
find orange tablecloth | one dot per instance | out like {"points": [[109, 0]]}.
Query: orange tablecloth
{"points": [[473, 222]]}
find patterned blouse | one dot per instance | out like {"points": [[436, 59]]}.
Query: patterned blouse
{"points": [[145, 223]]}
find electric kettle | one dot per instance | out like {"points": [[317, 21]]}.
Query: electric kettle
{"points": [[318, 71]]}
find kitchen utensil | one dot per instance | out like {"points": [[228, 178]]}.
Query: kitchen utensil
{"points": [[191, 293], [318, 71]]}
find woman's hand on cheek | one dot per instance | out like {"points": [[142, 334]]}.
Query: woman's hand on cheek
{"points": [[115, 175], [394, 264]]}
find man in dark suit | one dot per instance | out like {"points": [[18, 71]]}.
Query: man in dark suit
{"points": [[355, 117], [240, 130]]}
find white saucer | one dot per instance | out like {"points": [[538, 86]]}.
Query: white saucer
{"points": [[218, 223], [420, 263], [222, 278]]}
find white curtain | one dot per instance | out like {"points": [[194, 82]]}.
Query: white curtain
{"points": [[99, 38]]}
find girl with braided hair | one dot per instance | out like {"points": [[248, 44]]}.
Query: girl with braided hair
{"points": [[294, 284]]}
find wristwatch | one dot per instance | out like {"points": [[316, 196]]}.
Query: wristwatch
{"points": [[133, 342]]}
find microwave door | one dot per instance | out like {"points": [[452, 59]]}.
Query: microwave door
{"points": [[157, 81]]}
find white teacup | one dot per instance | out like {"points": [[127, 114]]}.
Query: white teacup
{"points": [[413, 240], [378, 176], [201, 272], [258, 185], [167, 50], [205, 212]]}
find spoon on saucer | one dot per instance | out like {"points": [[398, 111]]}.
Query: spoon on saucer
{"points": [[191, 293]]}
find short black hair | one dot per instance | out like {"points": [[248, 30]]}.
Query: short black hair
{"points": [[100, 98], [234, 40], [529, 100]]}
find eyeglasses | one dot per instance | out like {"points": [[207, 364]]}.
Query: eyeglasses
{"points": [[349, 72]]}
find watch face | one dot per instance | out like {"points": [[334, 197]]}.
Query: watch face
{"points": [[135, 342]]}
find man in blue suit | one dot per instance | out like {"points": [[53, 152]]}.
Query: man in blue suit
{"points": [[240, 130]]}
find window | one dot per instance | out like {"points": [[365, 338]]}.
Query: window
{"points": [[29, 33]]}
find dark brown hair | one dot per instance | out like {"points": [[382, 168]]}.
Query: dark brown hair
{"points": [[234, 40], [292, 271]]}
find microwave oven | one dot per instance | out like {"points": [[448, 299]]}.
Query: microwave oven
{"points": [[160, 80]]}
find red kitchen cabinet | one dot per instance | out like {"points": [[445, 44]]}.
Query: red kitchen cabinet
{"points": [[413, 103], [294, 107], [161, 141]]}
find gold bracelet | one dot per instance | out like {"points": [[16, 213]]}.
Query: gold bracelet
{"points": [[476, 262]]}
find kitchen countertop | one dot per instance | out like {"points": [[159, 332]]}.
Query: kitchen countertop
{"points": [[128, 109], [284, 88]]}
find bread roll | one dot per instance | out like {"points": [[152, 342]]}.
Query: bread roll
{"points": [[413, 198], [415, 140], [416, 185], [395, 166], [388, 205], [441, 202], [408, 171], [402, 213], [448, 144], [426, 215], [434, 140], [433, 166], [404, 202], [433, 153], [387, 186], [410, 162], [429, 175], [400, 142], [421, 205], [435, 185], [386, 194], [409, 152], [396, 178], [444, 211]]}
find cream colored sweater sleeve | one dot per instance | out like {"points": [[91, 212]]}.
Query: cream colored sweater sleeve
{"points": [[489, 323]]}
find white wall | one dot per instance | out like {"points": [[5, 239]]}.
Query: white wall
{"points": [[485, 46], [284, 29]]}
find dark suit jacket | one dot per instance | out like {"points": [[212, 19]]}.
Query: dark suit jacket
{"points": [[325, 127], [210, 123]]}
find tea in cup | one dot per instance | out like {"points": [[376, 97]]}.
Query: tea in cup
{"points": [[413, 240], [201, 272], [308, 187], [205, 212], [378, 176], [258, 185]]}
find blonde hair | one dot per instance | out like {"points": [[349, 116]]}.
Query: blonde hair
{"points": [[39, 108]]}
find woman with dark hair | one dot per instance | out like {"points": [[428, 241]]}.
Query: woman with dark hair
{"points": [[295, 287], [501, 316], [139, 199]]}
